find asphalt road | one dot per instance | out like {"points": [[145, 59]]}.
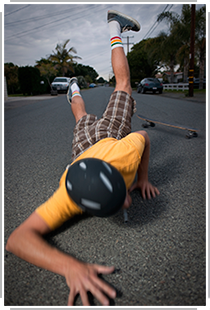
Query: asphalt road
{"points": [[159, 254]]}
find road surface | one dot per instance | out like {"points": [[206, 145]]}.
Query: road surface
{"points": [[159, 254]]}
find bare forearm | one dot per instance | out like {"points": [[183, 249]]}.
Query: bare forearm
{"points": [[144, 164], [31, 247], [80, 277], [147, 189]]}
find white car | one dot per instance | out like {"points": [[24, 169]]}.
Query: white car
{"points": [[60, 84]]}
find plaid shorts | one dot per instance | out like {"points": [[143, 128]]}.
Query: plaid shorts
{"points": [[115, 123]]}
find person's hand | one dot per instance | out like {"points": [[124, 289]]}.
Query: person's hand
{"points": [[82, 278], [147, 189]]}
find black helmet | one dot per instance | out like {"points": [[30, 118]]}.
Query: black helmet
{"points": [[96, 186]]}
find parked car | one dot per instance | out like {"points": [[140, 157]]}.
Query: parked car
{"points": [[92, 85], [60, 84], [150, 84], [196, 83]]}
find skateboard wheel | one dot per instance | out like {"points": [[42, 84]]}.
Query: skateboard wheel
{"points": [[191, 135], [144, 125], [152, 124]]}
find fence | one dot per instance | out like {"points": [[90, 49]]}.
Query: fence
{"points": [[181, 86]]}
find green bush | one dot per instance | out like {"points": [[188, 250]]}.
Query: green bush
{"points": [[30, 81]]}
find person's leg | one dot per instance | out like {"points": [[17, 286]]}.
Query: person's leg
{"points": [[75, 99], [116, 119], [121, 70], [82, 137], [78, 108], [119, 23], [119, 60]]}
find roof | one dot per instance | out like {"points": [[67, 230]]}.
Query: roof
{"points": [[175, 73]]}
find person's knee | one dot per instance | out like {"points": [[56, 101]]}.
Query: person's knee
{"points": [[124, 86]]}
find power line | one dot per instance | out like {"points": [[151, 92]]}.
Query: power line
{"points": [[53, 22], [156, 22], [154, 26], [20, 34], [17, 10], [160, 21], [22, 21]]}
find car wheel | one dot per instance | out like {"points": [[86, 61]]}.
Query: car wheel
{"points": [[138, 90], [143, 90], [160, 91]]}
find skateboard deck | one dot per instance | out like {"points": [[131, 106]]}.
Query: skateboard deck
{"points": [[191, 132]]}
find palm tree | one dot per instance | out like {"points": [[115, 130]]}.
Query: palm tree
{"points": [[180, 33], [163, 48], [200, 41], [180, 27], [183, 59], [63, 58]]}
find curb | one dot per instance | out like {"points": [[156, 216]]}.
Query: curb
{"points": [[196, 98]]}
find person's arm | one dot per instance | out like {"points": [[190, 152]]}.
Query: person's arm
{"points": [[27, 243], [147, 189]]}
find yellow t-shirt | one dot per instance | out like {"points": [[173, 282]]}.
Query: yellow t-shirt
{"points": [[124, 155]]}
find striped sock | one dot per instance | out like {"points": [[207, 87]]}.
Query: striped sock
{"points": [[75, 90], [115, 34], [116, 42]]}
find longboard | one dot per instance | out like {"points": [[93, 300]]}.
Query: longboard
{"points": [[191, 132]]}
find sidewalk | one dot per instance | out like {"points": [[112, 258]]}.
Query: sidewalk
{"points": [[16, 102], [197, 97]]}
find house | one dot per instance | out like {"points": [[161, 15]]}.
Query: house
{"points": [[159, 76], [178, 76]]}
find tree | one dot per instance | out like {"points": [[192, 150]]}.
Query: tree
{"points": [[174, 45], [140, 64], [81, 81], [88, 79], [200, 42], [29, 78], [163, 48], [85, 71], [101, 80], [47, 69], [63, 58], [180, 27], [11, 74]]}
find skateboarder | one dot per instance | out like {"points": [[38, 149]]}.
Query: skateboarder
{"points": [[108, 140]]}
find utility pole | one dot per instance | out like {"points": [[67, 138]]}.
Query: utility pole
{"points": [[192, 44], [128, 43]]}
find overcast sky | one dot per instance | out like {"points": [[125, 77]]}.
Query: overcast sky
{"points": [[32, 31]]}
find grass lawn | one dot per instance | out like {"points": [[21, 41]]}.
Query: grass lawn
{"points": [[18, 95], [185, 92], [202, 91]]}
